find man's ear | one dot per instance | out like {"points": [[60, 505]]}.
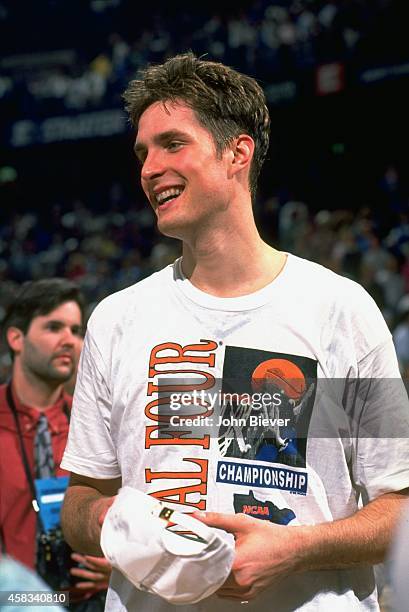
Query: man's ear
{"points": [[243, 151], [15, 339]]}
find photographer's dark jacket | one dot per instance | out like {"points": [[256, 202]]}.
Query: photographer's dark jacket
{"points": [[17, 516]]}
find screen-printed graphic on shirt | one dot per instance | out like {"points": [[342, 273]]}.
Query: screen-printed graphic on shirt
{"points": [[264, 510], [282, 391]]}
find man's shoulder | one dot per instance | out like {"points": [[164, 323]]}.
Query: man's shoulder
{"points": [[321, 281], [337, 303], [116, 306]]}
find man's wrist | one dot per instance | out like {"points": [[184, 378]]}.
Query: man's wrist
{"points": [[305, 554], [332, 545]]}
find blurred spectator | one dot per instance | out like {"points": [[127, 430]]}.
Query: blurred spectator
{"points": [[392, 285], [280, 36], [106, 246], [14, 578], [43, 332], [401, 335]]}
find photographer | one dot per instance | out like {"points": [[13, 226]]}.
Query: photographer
{"points": [[43, 330]]}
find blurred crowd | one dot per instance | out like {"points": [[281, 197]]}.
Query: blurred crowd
{"points": [[107, 251], [105, 248], [270, 40]]}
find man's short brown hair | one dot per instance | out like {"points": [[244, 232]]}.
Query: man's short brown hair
{"points": [[39, 298], [226, 102]]}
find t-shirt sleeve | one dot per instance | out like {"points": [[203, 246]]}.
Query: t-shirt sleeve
{"points": [[381, 425], [90, 450]]}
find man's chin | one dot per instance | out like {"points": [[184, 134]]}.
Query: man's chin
{"points": [[172, 228], [61, 375]]}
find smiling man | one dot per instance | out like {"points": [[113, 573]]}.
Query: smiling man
{"points": [[324, 491], [43, 328]]}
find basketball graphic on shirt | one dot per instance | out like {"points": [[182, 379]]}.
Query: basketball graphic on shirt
{"points": [[283, 374], [285, 385]]}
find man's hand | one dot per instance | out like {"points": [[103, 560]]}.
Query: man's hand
{"points": [[95, 573], [104, 510], [265, 553]]}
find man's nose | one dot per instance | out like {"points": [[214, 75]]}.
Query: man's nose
{"points": [[68, 337], [152, 167]]}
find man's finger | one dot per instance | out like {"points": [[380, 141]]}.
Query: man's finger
{"points": [[87, 574], [103, 513], [90, 586], [232, 523], [99, 563], [77, 557]]}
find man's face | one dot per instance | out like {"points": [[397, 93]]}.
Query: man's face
{"points": [[184, 179], [52, 344]]}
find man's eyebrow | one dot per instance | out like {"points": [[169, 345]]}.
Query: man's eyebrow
{"points": [[139, 147], [61, 322], [160, 139]]}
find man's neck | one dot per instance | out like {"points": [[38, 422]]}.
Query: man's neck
{"points": [[34, 392], [231, 261]]}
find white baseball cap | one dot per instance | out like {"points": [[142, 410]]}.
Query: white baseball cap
{"points": [[164, 551]]}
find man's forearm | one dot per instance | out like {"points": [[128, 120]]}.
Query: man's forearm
{"points": [[362, 539], [80, 516]]}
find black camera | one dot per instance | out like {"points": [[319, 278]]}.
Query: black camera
{"points": [[54, 559]]}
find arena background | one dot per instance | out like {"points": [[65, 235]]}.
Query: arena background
{"points": [[334, 188]]}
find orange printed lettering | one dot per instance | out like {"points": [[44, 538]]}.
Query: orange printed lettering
{"points": [[182, 355], [175, 437]]}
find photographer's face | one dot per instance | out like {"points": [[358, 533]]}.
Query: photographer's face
{"points": [[52, 344]]}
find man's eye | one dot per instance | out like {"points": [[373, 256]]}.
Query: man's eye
{"points": [[174, 145], [54, 327]]}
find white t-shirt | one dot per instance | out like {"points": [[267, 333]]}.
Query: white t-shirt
{"points": [[315, 338]]}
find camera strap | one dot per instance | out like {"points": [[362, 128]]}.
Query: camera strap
{"points": [[30, 480], [27, 470]]}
